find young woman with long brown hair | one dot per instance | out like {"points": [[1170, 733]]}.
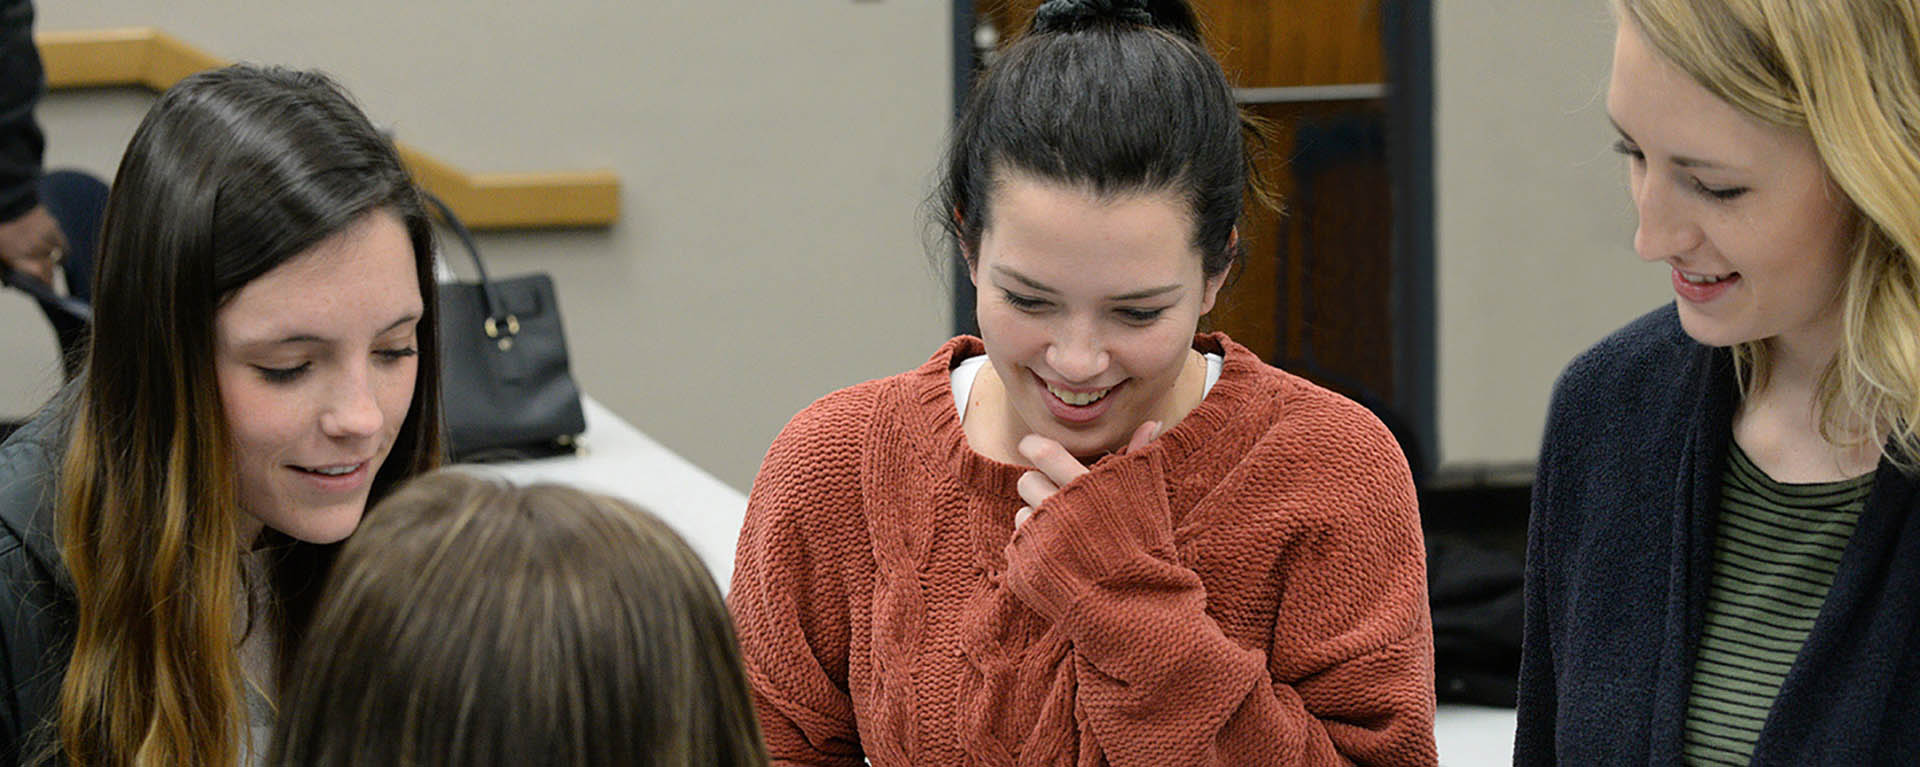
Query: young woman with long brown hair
{"points": [[262, 366]]}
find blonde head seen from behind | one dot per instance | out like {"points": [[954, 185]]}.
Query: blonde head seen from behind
{"points": [[1846, 73], [473, 622]]}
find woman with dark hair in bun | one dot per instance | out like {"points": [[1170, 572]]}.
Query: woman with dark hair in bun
{"points": [[1089, 536]]}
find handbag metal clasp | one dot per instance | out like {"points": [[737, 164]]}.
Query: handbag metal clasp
{"points": [[493, 331]]}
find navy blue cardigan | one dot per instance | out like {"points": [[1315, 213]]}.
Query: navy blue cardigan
{"points": [[1618, 560]]}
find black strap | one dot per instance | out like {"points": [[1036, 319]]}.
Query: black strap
{"points": [[45, 293], [447, 216]]}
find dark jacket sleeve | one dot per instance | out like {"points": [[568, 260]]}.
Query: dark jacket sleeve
{"points": [[10, 718], [1587, 393], [1611, 419], [36, 603], [21, 82], [1533, 742], [29, 682]]}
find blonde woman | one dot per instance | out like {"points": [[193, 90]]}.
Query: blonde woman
{"points": [[475, 623], [1725, 554]]}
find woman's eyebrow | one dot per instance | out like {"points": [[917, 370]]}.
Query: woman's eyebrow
{"points": [[1683, 161], [1042, 287], [309, 338], [1023, 279]]}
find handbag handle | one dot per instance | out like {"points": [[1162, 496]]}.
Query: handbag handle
{"points": [[499, 324]]}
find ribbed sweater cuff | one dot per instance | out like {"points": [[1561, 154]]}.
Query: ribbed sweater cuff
{"points": [[1094, 528]]}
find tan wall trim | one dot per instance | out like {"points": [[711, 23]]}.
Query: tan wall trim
{"points": [[147, 57]]}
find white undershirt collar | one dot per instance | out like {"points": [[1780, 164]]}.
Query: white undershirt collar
{"points": [[969, 369]]}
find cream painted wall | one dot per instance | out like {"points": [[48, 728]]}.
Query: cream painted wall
{"points": [[1534, 253], [773, 157]]}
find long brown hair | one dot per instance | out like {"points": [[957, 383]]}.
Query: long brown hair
{"points": [[479, 624], [232, 173]]}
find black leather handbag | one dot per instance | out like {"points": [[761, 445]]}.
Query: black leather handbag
{"points": [[505, 387]]}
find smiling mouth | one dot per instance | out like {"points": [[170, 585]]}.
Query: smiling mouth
{"points": [[336, 470], [1078, 399], [1706, 279]]}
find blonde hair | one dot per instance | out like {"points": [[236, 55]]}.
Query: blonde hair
{"points": [[471, 622], [1846, 73]]}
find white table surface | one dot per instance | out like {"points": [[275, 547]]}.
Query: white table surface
{"points": [[1473, 736], [617, 459]]}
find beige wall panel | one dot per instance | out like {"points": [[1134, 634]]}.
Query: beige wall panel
{"points": [[773, 157], [1535, 255]]}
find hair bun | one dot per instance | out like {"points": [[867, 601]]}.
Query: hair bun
{"points": [[1069, 15]]}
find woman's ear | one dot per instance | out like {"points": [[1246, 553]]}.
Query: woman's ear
{"points": [[1211, 290]]}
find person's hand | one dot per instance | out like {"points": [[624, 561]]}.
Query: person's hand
{"points": [[32, 244], [1054, 467]]}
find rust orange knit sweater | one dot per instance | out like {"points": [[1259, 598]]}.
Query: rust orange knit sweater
{"points": [[1248, 589]]}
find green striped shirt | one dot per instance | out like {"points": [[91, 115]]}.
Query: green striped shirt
{"points": [[1776, 547]]}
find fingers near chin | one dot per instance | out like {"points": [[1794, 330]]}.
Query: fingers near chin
{"points": [[1051, 458], [1033, 446], [1142, 435], [1020, 517], [1034, 487]]}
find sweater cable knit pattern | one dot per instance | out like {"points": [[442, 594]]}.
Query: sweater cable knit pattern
{"points": [[1248, 589]]}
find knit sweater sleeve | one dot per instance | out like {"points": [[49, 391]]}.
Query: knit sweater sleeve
{"points": [[790, 589], [1349, 677]]}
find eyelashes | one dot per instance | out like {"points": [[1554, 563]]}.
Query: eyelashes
{"points": [[1023, 303], [1129, 315], [287, 375], [283, 375], [1719, 193]]}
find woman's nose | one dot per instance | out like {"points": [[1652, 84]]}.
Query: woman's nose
{"points": [[1078, 353]]}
